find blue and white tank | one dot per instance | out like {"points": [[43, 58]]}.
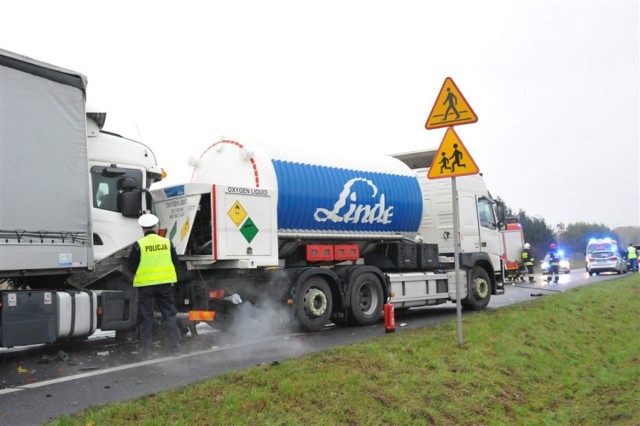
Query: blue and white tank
{"points": [[320, 192]]}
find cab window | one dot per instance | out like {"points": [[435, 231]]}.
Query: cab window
{"points": [[106, 184], [485, 211]]}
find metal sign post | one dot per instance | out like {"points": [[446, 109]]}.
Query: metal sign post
{"points": [[452, 159], [456, 254]]}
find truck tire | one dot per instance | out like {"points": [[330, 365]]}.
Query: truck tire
{"points": [[366, 300], [313, 305], [479, 292]]}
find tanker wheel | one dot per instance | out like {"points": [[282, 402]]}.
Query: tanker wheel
{"points": [[366, 300], [313, 305], [479, 292]]}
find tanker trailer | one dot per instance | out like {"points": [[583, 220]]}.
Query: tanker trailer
{"points": [[325, 237]]}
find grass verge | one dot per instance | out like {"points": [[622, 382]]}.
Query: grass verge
{"points": [[571, 358]]}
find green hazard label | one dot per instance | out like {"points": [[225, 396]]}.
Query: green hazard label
{"points": [[249, 230], [173, 231]]}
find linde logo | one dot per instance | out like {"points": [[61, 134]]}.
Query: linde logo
{"points": [[350, 207]]}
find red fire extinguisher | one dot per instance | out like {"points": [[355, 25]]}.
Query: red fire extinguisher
{"points": [[389, 317]]}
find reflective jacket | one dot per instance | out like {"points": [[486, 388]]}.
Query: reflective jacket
{"points": [[632, 253], [527, 258], [156, 265]]}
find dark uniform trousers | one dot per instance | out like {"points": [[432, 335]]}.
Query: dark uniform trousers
{"points": [[163, 295]]}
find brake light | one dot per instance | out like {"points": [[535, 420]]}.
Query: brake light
{"points": [[613, 258], [216, 294]]}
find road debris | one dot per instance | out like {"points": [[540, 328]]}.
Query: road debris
{"points": [[60, 356]]}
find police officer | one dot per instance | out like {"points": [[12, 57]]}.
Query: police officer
{"points": [[153, 260], [554, 264], [527, 259], [632, 255]]}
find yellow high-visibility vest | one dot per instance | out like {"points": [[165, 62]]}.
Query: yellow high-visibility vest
{"points": [[632, 253], [156, 266]]}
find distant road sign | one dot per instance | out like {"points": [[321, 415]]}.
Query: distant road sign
{"points": [[451, 108], [452, 158]]}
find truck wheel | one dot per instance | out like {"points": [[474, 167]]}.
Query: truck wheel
{"points": [[479, 290], [366, 300], [314, 303]]}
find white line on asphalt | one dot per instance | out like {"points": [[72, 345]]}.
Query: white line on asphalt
{"points": [[138, 364]]}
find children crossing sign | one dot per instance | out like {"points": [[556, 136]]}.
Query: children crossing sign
{"points": [[451, 108], [452, 158]]}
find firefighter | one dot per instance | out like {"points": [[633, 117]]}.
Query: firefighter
{"points": [[554, 264], [153, 259], [527, 259]]}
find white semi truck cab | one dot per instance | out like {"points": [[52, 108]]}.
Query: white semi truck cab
{"points": [[121, 172]]}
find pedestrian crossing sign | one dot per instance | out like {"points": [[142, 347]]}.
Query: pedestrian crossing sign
{"points": [[450, 108], [452, 158]]}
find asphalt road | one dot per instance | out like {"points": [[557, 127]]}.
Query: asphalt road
{"points": [[43, 383]]}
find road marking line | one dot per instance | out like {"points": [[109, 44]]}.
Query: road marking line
{"points": [[139, 364]]}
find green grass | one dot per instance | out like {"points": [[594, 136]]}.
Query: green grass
{"points": [[570, 358]]}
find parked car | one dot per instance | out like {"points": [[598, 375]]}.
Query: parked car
{"points": [[606, 261], [599, 244], [564, 267]]}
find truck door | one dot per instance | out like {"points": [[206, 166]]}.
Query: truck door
{"points": [[112, 231], [489, 231]]}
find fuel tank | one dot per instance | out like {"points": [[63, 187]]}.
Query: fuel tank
{"points": [[320, 192]]}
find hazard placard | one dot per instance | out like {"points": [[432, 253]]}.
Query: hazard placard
{"points": [[450, 108], [452, 158], [237, 213]]}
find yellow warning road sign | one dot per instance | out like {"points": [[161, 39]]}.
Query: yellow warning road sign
{"points": [[452, 158], [451, 108]]}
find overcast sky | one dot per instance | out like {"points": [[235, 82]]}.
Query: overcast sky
{"points": [[555, 84]]}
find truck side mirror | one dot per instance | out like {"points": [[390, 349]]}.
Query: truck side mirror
{"points": [[500, 212], [131, 203]]}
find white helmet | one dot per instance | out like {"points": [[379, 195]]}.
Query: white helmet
{"points": [[527, 245], [148, 220]]}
